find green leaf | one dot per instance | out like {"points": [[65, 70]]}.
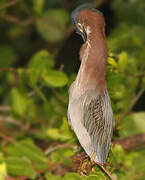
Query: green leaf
{"points": [[3, 171], [19, 101], [123, 60], [31, 152], [64, 158], [55, 78], [94, 177], [39, 63], [132, 124], [53, 133], [65, 128], [72, 176], [116, 155], [52, 25], [64, 133], [38, 6], [112, 62], [20, 167], [2, 2], [6, 56], [22, 104], [49, 176]]}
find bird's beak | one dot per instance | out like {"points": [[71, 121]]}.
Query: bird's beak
{"points": [[83, 34]]}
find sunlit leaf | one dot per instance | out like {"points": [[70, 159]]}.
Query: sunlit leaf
{"points": [[53, 133], [3, 171], [19, 101], [123, 59], [72, 176], [20, 167], [31, 151], [49, 176], [21, 104], [55, 78], [112, 62], [39, 63], [52, 25], [38, 6]]}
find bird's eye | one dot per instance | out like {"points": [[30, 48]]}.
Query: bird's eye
{"points": [[80, 27]]}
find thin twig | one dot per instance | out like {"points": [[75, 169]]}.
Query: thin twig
{"points": [[8, 139], [8, 4], [32, 93], [13, 19], [136, 98], [134, 101], [9, 119], [106, 171], [40, 94], [59, 146], [58, 96]]}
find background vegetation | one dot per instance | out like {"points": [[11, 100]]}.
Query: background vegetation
{"points": [[39, 61]]}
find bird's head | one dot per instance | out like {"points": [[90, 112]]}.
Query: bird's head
{"points": [[87, 19]]}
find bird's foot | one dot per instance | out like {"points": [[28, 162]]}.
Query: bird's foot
{"points": [[86, 165], [85, 168]]}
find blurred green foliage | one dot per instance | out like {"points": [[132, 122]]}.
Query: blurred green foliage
{"points": [[35, 135]]}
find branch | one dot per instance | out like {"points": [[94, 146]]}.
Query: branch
{"points": [[128, 144], [132, 142], [58, 146], [81, 166], [9, 69], [9, 119], [8, 139], [13, 19], [136, 98], [5, 108]]}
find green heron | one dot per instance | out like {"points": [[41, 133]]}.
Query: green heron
{"points": [[89, 110]]}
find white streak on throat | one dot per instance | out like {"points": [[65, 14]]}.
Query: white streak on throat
{"points": [[78, 87]]}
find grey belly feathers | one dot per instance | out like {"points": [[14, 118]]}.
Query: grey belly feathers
{"points": [[91, 118]]}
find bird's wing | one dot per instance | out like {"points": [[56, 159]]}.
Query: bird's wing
{"points": [[98, 120]]}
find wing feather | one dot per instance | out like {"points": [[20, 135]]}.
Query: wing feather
{"points": [[98, 120]]}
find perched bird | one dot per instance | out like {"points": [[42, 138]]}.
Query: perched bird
{"points": [[89, 110]]}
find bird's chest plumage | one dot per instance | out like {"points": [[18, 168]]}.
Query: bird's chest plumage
{"points": [[75, 117]]}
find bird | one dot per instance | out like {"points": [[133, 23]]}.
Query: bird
{"points": [[90, 113]]}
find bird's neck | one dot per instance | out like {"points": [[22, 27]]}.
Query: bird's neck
{"points": [[92, 72]]}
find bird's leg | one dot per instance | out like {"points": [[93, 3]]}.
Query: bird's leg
{"points": [[93, 155]]}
